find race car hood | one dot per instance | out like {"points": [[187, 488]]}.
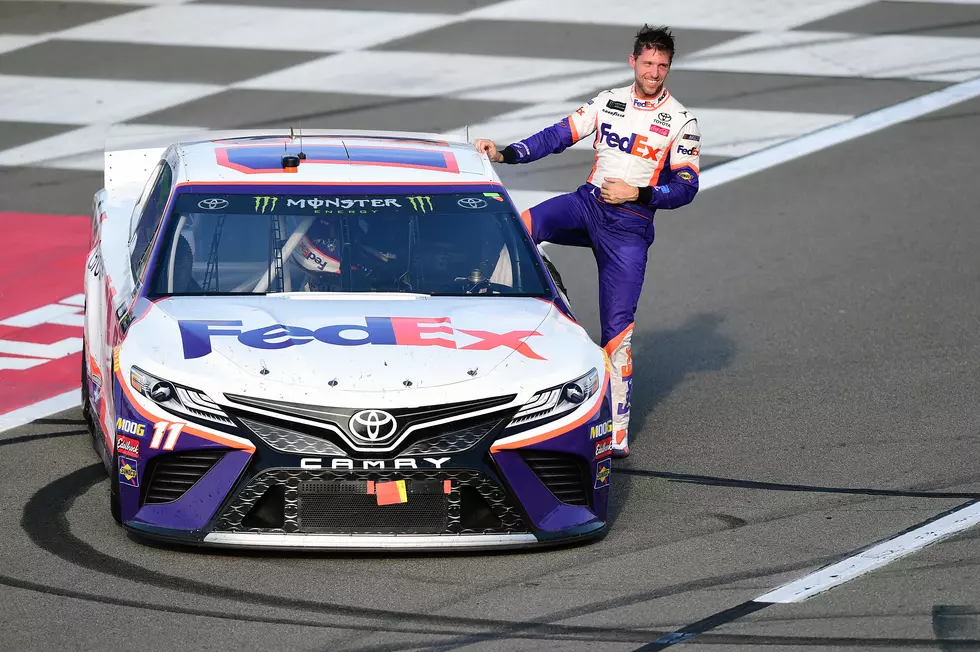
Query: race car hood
{"points": [[300, 344]]}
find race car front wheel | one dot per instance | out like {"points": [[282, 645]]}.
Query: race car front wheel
{"points": [[87, 414], [86, 403], [115, 507]]}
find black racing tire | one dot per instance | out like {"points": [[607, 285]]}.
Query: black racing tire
{"points": [[87, 404], [115, 507]]}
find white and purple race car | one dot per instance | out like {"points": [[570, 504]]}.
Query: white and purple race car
{"points": [[344, 341]]}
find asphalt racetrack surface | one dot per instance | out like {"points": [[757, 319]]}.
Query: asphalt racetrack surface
{"points": [[807, 337]]}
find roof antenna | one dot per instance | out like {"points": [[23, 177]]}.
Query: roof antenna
{"points": [[288, 160], [302, 154]]}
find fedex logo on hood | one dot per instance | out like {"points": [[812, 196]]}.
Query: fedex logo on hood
{"points": [[196, 335]]}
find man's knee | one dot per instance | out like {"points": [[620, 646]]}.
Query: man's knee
{"points": [[526, 219]]}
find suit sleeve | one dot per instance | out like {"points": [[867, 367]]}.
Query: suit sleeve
{"points": [[555, 139], [678, 182]]}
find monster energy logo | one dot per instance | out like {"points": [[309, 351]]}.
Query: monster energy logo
{"points": [[265, 203], [421, 204]]}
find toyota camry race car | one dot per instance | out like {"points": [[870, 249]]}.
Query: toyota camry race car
{"points": [[343, 341]]}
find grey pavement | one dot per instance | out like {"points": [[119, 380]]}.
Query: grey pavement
{"points": [[815, 324]]}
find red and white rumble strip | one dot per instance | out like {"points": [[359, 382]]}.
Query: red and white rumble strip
{"points": [[41, 314]]}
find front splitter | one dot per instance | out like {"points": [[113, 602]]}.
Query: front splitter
{"points": [[310, 541]]}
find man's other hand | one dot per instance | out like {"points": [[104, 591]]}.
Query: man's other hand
{"points": [[486, 146], [616, 191]]}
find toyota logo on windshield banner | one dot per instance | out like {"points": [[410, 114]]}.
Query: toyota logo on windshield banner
{"points": [[373, 426]]}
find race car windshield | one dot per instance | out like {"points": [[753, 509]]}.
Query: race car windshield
{"points": [[445, 245]]}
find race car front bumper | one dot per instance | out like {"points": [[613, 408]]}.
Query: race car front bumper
{"points": [[458, 493]]}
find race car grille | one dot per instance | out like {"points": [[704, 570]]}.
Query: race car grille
{"points": [[347, 507], [327, 422], [172, 475], [454, 441], [566, 476], [338, 501], [290, 441]]}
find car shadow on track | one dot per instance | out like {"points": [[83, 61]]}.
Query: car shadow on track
{"points": [[662, 360]]}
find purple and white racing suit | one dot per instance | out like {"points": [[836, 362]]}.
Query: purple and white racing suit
{"points": [[650, 144]]}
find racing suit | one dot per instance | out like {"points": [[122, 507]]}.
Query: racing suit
{"points": [[650, 144]]}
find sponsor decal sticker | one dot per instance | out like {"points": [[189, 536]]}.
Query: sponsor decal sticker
{"points": [[340, 205], [693, 137], [127, 427], [128, 472], [688, 151], [685, 175], [601, 430], [213, 204], [603, 448], [603, 469], [493, 195], [616, 106], [472, 202], [196, 335], [266, 202], [657, 129], [664, 117], [128, 446], [421, 204]]}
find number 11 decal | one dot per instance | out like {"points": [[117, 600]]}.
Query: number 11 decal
{"points": [[172, 432]]}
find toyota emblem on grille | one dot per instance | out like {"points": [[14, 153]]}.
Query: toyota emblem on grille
{"points": [[213, 204], [372, 426]]}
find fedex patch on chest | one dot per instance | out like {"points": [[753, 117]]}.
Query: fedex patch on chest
{"points": [[634, 144]]}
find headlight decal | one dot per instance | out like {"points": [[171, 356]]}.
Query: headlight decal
{"points": [[514, 442], [554, 402], [134, 400], [177, 399]]}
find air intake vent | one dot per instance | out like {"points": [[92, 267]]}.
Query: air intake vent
{"points": [[171, 476], [566, 476]]}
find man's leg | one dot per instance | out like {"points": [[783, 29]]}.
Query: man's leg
{"points": [[622, 258], [559, 220]]}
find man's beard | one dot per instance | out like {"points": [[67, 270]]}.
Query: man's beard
{"points": [[654, 91]]}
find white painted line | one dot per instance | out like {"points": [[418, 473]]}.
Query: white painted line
{"points": [[251, 27], [840, 133], [842, 54], [39, 410], [745, 15], [876, 556]]}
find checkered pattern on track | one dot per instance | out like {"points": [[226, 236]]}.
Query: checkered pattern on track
{"points": [[756, 72]]}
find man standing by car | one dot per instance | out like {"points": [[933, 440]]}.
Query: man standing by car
{"points": [[647, 155]]}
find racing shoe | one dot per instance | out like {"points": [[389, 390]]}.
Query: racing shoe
{"points": [[621, 447]]}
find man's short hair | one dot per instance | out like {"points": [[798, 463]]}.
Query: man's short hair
{"points": [[656, 38]]}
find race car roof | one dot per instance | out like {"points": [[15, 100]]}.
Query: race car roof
{"points": [[351, 157]]}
